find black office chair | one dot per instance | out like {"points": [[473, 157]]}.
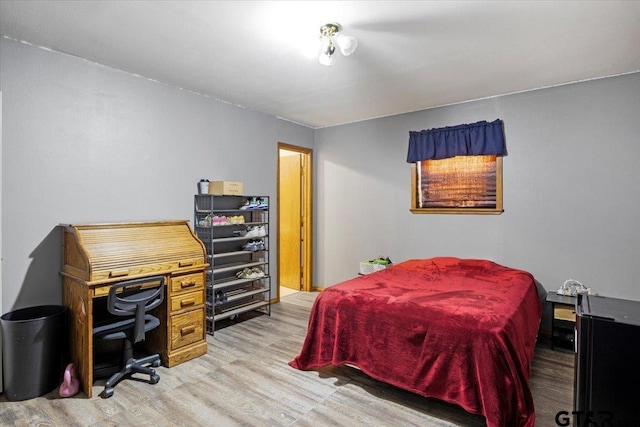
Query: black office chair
{"points": [[133, 299]]}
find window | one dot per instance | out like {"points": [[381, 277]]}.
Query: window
{"points": [[457, 185], [457, 169]]}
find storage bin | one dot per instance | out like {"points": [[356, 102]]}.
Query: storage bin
{"points": [[33, 345], [225, 188]]}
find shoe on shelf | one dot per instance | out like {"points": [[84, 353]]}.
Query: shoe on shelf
{"points": [[250, 273], [257, 273], [250, 246], [236, 219], [220, 297], [220, 220], [242, 274], [206, 221], [250, 204], [257, 231], [263, 203], [254, 245], [251, 232]]}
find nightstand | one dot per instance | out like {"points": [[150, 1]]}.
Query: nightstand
{"points": [[563, 321]]}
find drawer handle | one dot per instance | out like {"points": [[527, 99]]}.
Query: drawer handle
{"points": [[119, 273], [187, 302], [187, 284], [185, 263], [187, 330]]}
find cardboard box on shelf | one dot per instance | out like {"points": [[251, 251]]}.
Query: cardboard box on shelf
{"points": [[225, 188]]}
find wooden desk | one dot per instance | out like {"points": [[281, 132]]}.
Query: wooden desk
{"points": [[96, 256]]}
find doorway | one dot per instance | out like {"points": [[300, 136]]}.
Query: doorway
{"points": [[294, 219]]}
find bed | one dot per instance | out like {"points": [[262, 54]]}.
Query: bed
{"points": [[459, 330]]}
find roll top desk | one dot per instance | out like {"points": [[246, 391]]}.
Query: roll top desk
{"points": [[96, 256]]}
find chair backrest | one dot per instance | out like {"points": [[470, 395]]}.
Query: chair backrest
{"points": [[135, 298]]}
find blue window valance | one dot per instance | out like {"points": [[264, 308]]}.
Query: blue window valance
{"points": [[477, 139]]}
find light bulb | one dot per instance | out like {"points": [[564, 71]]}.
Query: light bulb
{"points": [[347, 44], [326, 60]]}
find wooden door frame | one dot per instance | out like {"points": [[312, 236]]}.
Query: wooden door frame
{"points": [[307, 217]]}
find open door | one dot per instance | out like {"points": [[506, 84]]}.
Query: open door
{"points": [[294, 218]]}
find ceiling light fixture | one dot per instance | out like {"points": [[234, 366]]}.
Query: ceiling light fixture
{"points": [[330, 36]]}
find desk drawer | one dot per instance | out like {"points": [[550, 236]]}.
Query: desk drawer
{"points": [[187, 328], [564, 313], [189, 300], [187, 282], [103, 290]]}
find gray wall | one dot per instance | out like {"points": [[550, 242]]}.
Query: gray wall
{"points": [[571, 182], [86, 143]]}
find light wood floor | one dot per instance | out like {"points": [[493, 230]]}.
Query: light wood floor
{"points": [[284, 291], [245, 380]]}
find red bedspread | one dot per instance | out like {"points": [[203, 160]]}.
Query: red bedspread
{"points": [[463, 331]]}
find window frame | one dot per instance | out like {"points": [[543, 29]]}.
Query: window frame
{"points": [[415, 187]]}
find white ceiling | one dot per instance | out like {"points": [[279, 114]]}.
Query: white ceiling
{"points": [[411, 55]]}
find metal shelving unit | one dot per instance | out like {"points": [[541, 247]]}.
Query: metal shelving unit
{"points": [[227, 294]]}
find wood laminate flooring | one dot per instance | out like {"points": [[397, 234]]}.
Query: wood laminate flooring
{"points": [[244, 380]]}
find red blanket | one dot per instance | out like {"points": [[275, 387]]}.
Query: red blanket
{"points": [[462, 331]]}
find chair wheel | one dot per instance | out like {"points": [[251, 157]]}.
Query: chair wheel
{"points": [[107, 392], [156, 363], [154, 379]]}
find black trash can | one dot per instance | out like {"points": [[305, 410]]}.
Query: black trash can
{"points": [[33, 347]]}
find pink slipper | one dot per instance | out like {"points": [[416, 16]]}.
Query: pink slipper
{"points": [[70, 384]]}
